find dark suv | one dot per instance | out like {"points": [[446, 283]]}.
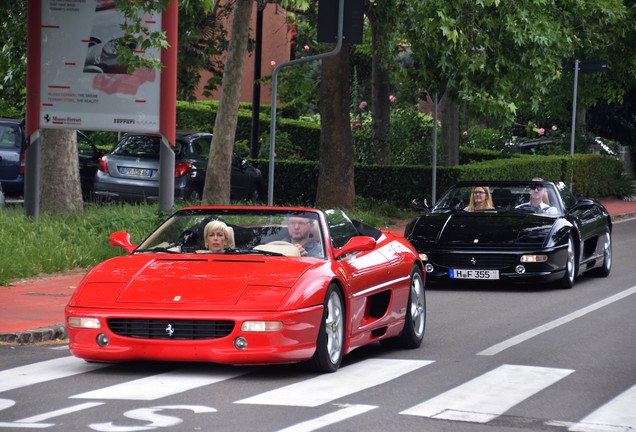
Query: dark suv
{"points": [[13, 147], [130, 172], [12, 156]]}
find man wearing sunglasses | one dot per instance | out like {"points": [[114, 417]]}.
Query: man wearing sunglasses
{"points": [[538, 198]]}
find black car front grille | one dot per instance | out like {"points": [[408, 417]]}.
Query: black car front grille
{"points": [[480, 261], [170, 329]]}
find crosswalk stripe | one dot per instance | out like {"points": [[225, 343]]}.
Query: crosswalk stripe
{"points": [[161, 385], [325, 388], [329, 419], [490, 395], [35, 422], [44, 371], [619, 414]]}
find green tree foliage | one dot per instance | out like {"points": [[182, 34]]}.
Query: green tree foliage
{"points": [[494, 56], [13, 57]]}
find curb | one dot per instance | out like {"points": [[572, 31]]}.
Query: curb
{"points": [[43, 334], [623, 216]]}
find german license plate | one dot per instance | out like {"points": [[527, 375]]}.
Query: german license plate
{"points": [[473, 274], [135, 172]]}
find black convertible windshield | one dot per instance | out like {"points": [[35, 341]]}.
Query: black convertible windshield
{"points": [[501, 197]]}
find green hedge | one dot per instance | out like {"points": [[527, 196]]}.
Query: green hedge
{"points": [[201, 116], [296, 182]]}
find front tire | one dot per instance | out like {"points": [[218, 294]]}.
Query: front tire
{"points": [[570, 266], [330, 342], [415, 319]]}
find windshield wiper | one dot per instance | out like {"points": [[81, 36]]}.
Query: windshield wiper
{"points": [[159, 249], [237, 251]]}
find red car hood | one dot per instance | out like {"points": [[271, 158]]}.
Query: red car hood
{"points": [[204, 283]]}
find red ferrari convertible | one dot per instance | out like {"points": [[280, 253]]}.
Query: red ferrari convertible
{"points": [[250, 285]]}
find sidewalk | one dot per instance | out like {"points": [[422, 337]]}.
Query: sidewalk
{"points": [[33, 310]]}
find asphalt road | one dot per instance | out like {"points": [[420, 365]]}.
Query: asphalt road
{"points": [[495, 358]]}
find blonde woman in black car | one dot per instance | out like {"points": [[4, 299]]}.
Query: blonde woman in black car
{"points": [[480, 199]]}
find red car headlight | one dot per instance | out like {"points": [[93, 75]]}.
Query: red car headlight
{"points": [[261, 326], [83, 322]]}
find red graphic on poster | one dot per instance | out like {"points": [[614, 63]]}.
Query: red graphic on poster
{"points": [[124, 84]]}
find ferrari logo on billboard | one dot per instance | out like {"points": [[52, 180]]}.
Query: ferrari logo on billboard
{"points": [[82, 84]]}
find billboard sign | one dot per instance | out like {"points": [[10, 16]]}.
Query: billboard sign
{"points": [[82, 84]]}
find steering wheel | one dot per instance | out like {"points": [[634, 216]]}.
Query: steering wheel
{"points": [[280, 243]]}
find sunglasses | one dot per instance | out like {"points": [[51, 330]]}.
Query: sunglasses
{"points": [[535, 186]]}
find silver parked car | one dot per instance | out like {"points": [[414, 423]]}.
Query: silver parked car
{"points": [[130, 172]]}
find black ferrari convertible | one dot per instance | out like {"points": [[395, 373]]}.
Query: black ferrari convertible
{"points": [[518, 231]]}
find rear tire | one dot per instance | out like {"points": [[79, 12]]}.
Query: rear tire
{"points": [[194, 194], [255, 194], [606, 268], [330, 342]]}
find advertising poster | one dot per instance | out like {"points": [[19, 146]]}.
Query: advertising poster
{"points": [[82, 85]]}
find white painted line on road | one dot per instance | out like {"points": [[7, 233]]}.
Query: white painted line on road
{"points": [[329, 419], [348, 380], [496, 349], [619, 414], [40, 372], [490, 395], [60, 412], [160, 385]]}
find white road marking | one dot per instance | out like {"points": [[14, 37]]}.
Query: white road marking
{"points": [[40, 372], [348, 380], [490, 395], [496, 349], [35, 422], [161, 385], [619, 414], [329, 419]]}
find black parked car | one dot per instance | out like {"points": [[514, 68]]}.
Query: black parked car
{"points": [[12, 156], [513, 241], [130, 172], [89, 156], [13, 145]]}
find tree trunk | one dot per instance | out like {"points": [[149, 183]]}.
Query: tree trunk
{"points": [[581, 121], [60, 191], [380, 104], [450, 130], [335, 177], [217, 179]]}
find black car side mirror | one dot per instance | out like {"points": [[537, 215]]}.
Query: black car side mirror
{"points": [[420, 204], [583, 203]]}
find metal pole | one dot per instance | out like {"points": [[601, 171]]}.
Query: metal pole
{"points": [[272, 129], [256, 87], [434, 182], [573, 129], [166, 176], [32, 176]]}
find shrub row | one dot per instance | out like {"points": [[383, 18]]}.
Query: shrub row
{"points": [[594, 176], [201, 116], [296, 181]]}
